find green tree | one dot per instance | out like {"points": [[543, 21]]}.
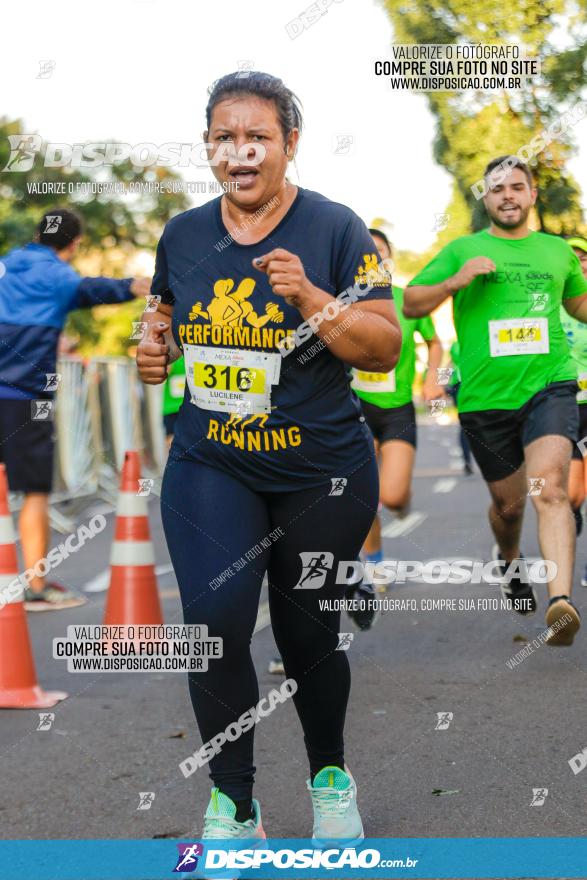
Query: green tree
{"points": [[117, 228], [473, 127]]}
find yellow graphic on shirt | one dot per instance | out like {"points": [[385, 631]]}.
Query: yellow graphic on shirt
{"points": [[241, 422], [370, 261], [232, 320], [231, 308], [373, 272], [233, 433]]}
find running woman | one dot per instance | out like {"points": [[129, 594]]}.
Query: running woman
{"points": [[517, 397], [386, 401], [267, 430], [577, 339]]}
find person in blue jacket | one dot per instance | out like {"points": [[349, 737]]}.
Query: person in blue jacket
{"points": [[38, 288]]}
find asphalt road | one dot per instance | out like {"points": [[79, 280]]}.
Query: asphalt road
{"points": [[512, 729]]}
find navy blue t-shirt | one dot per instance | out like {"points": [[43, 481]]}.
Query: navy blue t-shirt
{"points": [[314, 430]]}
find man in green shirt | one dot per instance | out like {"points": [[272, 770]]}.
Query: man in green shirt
{"points": [[517, 398], [576, 333], [386, 401]]}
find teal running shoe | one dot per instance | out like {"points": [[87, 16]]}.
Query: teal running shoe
{"points": [[336, 815], [219, 821], [220, 824]]}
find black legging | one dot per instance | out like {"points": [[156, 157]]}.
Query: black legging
{"points": [[211, 520]]}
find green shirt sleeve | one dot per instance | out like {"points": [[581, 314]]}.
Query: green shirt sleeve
{"points": [[575, 282], [425, 327], [441, 267]]}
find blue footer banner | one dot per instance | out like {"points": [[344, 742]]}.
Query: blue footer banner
{"points": [[434, 858]]}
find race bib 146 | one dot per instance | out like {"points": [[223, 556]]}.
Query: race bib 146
{"points": [[518, 336]]}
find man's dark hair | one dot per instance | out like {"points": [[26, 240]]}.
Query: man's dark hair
{"points": [[511, 162], [260, 85], [383, 238], [58, 228]]}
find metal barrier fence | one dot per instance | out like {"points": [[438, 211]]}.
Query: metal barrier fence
{"points": [[102, 410], [76, 461], [155, 448], [114, 407]]}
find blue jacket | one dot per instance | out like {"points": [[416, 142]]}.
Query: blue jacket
{"points": [[37, 291]]}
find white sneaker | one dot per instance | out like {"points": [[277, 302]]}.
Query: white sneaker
{"points": [[53, 597], [219, 821], [220, 824], [336, 815]]}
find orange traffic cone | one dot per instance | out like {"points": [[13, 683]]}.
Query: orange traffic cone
{"points": [[132, 595], [18, 680]]}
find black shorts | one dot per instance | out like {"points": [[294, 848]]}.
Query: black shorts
{"points": [[396, 423], [26, 447], [577, 454], [498, 436]]}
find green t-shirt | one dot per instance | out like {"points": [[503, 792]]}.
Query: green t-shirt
{"points": [[576, 333], [512, 344], [174, 387], [389, 390], [455, 356]]}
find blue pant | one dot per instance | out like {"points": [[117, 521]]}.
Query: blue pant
{"points": [[212, 521]]}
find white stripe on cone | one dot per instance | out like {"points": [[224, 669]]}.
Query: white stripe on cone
{"points": [[10, 595], [132, 553], [6, 530], [129, 504]]}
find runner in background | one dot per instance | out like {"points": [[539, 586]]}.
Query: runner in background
{"points": [[173, 392], [38, 289], [386, 401], [453, 389], [517, 401], [577, 339]]}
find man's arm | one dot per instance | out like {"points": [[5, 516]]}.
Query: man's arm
{"points": [[109, 291], [431, 390], [576, 307], [421, 299]]}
